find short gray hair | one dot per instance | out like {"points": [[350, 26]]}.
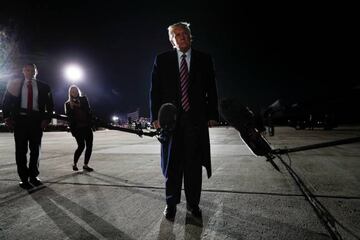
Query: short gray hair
{"points": [[183, 25]]}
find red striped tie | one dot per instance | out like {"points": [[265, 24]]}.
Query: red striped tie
{"points": [[184, 84], [30, 96]]}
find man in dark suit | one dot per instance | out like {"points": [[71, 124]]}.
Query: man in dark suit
{"points": [[27, 107], [185, 77]]}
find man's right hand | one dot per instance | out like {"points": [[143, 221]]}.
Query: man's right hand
{"points": [[9, 123], [156, 124]]}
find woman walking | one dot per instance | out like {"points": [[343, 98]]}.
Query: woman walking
{"points": [[78, 110]]}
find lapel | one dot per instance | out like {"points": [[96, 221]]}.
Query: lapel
{"points": [[174, 63], [38, 85], [193, 62]]}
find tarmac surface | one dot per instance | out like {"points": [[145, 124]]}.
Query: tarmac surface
{"points": [[246, 198]]}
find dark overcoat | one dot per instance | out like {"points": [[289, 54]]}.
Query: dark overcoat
{"points": [[165, 88]]}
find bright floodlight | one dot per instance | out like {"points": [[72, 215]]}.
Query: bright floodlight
{"points": [[73, 72], [115, 118]]}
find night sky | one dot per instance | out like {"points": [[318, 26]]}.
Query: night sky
{"points": [[262, 53]]}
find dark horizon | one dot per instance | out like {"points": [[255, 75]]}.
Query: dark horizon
{"points": [[261, 54]]}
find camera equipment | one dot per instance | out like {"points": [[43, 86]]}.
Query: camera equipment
{"points": [[243, 120]]}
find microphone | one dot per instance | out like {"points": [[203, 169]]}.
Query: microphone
{"points": [[167, 117], [243, 120]]}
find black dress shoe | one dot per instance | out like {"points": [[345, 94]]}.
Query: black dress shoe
{"points": [[195, 211], [25, 185], [87, 168], [75, 168], [36, 181], [170, 212]]}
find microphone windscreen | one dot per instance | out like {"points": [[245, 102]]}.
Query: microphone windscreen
{"points": [[243, 120], [167, 116], [236, 114]]}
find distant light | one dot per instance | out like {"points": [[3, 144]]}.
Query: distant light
{"points": [[73, 73], [115, 118]]}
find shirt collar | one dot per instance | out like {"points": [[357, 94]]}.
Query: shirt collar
{"points": [[180, 53], [27, 80]]}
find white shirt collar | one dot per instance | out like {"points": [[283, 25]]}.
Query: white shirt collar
{"points": [[27, 80], [188, 57], [180, 53]]}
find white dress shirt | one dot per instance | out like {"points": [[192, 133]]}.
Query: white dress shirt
{"points": [[24, 95], [188, 58]]}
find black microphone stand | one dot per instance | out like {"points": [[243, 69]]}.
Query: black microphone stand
{"points": [[316, 146]]}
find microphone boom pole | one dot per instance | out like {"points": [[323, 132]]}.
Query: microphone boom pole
{"points": [[167, 117], [101, 123], [316, 146]]}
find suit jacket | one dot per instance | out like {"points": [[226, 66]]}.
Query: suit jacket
{"points": [[165, 88], [12, 99]]}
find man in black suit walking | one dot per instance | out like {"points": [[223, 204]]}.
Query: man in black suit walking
{"points": [[185, 77], [27, 107]]}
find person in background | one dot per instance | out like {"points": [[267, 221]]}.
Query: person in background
{"points": [[78, 110], [27, 109]]}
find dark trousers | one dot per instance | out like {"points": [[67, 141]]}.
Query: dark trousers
{"points": [[27, 134], [84, 138], [185, 162]]}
